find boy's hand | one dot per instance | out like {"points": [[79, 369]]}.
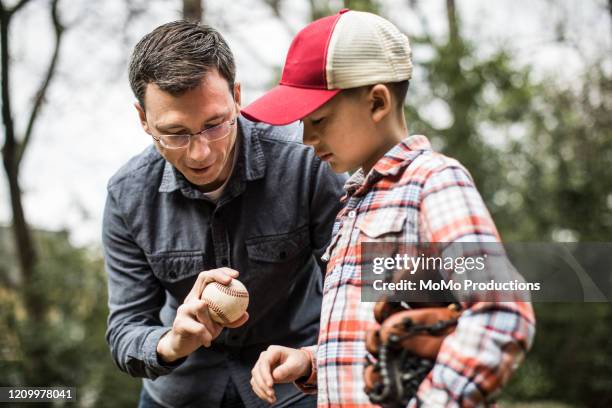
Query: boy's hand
{"points": [[276, 365], [193, 327]]}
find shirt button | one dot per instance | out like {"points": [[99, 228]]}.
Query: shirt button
{"points": [[224, 262], [352, 214]]}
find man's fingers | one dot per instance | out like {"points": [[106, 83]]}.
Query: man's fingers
{"points": [[198, 310], [239, 322], [203, 316], [231, 272], [195, 315], [192, 308], [188, 326], [221, 275]]}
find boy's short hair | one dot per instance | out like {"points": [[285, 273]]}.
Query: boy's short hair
{"points": [[397, 89], [176, 56], [348, 50]]}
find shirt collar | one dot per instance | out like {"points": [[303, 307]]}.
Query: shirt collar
{"points": [[250, 165], [399, 157]]}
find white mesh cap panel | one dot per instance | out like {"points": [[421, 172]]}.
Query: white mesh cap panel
{"points": [[356, 58]]}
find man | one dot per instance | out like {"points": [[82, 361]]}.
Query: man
{"points": [[216, 198]]}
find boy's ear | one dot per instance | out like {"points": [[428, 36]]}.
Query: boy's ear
{"points": [[142, 116], [381, 102]]}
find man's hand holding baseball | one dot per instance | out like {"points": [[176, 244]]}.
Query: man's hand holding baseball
{"points": [[193, 327], [276, 365]]}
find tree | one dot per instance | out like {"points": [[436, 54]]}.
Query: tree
{"points": [[193, 10], [73, 333], [545, 178], [484, 97], [15, 145], [53, 314]]}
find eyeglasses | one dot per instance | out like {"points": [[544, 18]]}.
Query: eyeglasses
{"points": [[211, 134]]}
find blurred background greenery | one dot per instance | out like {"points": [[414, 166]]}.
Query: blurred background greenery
{"points": [[540, 150]]}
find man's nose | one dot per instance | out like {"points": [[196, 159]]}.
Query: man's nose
{"points": [[199, 148]]}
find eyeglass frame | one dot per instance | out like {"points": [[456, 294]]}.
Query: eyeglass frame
{"points": [[203, 132]]}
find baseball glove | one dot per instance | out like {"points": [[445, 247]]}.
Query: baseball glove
{"points": [[404, 349]]}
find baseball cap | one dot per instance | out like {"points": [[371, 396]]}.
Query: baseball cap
{"points": [[342, 51]]}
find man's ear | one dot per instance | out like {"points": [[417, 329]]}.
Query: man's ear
{"points": [[381, 102], [237, 94], [142, 116]]}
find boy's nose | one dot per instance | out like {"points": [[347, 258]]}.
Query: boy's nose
{"points": [[309, 138]]}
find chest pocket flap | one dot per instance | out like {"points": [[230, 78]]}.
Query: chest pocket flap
{"points": [[278, 248], [377, 223], [175, 266]]}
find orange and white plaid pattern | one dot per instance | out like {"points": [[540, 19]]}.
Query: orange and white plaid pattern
{"points": [[413, 194]]}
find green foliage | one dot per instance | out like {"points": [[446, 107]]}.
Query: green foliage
{"points": [[323, 8], [571, 360], [568, 157], [372, 6], [540, 153], [485, 98], [66, 347]]}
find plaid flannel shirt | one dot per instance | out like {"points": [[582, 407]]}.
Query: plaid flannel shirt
{"points": [[413, 194]]}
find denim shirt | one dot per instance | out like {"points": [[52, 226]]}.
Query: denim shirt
{"points": [[272, 224]]}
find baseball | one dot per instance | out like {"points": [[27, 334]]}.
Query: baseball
{"points": [[226, 304]]}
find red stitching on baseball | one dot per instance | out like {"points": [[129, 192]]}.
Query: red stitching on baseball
{"points": [[217, 310], [229, 291]]}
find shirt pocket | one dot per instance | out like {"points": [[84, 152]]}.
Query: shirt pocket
{"points": [[175, 266], [281, 248], [274, 265], [383, 223]]}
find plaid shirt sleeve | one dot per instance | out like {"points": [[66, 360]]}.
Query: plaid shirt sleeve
{"points": [[491, 338]]}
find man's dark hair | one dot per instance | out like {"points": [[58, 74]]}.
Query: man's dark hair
{"points": [[176, 56]]}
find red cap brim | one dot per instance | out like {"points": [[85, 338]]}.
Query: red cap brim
{"points": [[285, 104]]}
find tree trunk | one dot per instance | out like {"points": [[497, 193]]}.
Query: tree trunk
{"points": [[453, 29], [33, 346], [193, 10], [610, 10], [26, 252]]}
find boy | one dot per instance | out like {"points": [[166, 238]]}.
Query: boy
{"points": [[346, 77]]}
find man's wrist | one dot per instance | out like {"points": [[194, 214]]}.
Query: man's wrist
{"points": [[164, 351]]}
